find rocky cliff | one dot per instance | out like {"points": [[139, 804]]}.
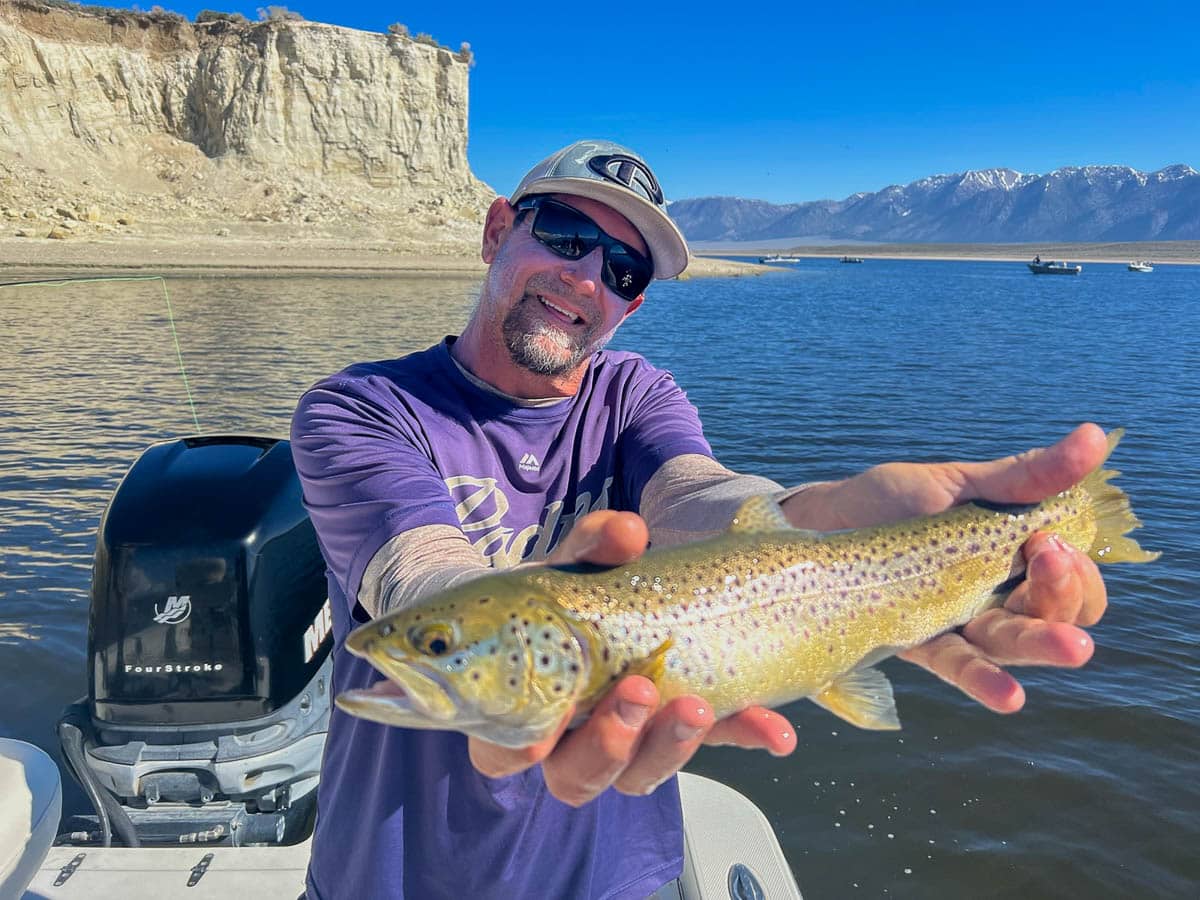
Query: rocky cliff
{"points": [[112, 121]]}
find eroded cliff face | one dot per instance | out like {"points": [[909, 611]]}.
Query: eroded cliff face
{"points": [[283, 121]]}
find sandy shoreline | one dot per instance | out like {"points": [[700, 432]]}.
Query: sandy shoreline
{"points": [[27, 258], [247, 256]]}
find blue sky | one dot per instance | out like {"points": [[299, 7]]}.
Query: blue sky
{"points": [[785, 102]]}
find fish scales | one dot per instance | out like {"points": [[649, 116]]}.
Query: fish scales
{"points": [[769, 620], [762, 615]]}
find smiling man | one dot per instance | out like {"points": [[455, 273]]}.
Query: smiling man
{"points": [[521, 442]]}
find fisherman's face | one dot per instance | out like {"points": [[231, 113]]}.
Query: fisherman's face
{"points": [[553, 313]]}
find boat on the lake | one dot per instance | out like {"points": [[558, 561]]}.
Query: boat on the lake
{"points": [[1141, 265], [852, 259], [1054, 267], [780, 259], [199, 741]]}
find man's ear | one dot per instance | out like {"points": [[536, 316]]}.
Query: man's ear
{"points": [[633, 304], [499, 222]]}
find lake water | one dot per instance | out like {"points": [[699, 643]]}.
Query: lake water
{"points": [[811, 373]]}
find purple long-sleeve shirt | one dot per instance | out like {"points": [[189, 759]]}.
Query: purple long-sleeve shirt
{"points": [[385, 447]]}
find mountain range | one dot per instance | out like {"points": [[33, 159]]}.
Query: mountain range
{"points": [[1076, 203]]}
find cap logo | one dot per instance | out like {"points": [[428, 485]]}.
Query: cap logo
{"points": [[630, 172]]}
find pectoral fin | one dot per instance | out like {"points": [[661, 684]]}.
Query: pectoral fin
{"points": [[653, 665], [862, 697]]}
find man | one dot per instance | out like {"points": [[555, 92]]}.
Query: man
{"points": [[523, 441]]}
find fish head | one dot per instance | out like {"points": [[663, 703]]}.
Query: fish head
{"points": [[497, 658]]}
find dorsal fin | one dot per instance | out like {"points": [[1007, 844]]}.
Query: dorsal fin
{"points": [[759, 513]]}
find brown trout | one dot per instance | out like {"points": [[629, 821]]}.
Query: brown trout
{"points": [[762, 615]]}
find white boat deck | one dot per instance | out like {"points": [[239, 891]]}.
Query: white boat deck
{"points": [[723, 829]]}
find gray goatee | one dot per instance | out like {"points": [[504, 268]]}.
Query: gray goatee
{"points": [[543, 349]]}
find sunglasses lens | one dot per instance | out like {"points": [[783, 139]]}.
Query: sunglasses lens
{"points": [[626, 274], [565, 231]]}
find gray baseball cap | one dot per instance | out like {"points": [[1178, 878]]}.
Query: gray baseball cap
{"points": [[619, 178]]}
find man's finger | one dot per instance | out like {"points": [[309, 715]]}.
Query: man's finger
{"points": [[670, 740], [954, 660], [1036, 474], [1009, 639], [755, 729], [605, 537], [495, 761], [1061, 585], [590, 758]]}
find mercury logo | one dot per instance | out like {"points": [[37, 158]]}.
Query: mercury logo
{"points": [[315, 634], [529, 463], [176, 610]]}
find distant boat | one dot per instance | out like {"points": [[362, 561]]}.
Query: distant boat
{"points": [[1141, 265], [852, 259], [780, 259], [1054, 267]]}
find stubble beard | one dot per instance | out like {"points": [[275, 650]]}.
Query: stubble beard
{"points": [[538, 346]]}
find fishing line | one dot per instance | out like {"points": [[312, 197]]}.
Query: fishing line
{"points": [[61, 282]]}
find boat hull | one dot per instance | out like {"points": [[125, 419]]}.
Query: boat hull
{"points": [[1054, 269]]}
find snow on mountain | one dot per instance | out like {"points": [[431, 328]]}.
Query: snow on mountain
{"points": [[1072, 203]]}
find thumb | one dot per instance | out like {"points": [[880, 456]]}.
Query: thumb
{"points": [[1039, 473], [605, 537]]}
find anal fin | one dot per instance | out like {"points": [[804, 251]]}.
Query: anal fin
{"points": [[862, 697]]}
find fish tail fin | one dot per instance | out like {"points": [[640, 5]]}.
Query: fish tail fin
{"points": [[1114, 515]]}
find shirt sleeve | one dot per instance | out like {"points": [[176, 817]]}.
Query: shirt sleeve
{"points": [[662, 425], [365, 473]]}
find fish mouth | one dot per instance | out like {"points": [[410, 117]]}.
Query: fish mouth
{"points": [[405, 697], [409, 694]]}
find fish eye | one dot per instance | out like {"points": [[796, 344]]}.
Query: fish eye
{"points": [[433, 640]]}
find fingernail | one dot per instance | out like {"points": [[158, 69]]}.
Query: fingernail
{"points": [[1060, 542], [685, 732], [633, 714]]}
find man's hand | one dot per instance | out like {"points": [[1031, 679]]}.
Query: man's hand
{"points": [[627, 742], [1063, 588]]}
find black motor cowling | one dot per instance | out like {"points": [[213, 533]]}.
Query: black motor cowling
{"points": [[209, 650], [208, 588]]}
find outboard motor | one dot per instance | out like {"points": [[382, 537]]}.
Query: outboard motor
{"points": [[209, 652]]}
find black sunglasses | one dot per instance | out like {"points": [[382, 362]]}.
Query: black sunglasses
{"points": [[572, 235]]}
